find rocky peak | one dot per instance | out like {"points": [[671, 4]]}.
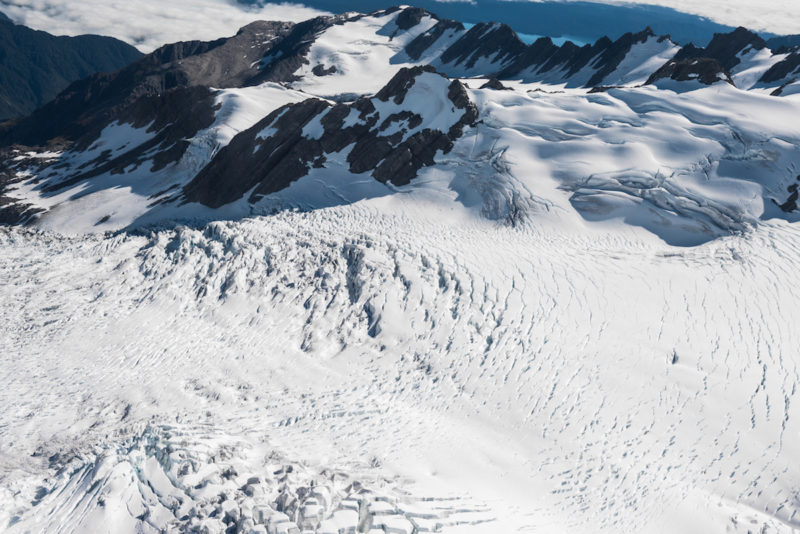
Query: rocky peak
{"points": [[411, 16], [385, 135], [783, 69], [422, 42], [724, 47], [704, 70], [398, 86], [484, 40]]}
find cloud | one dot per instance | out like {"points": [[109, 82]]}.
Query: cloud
{"points": [[775, 16], [148, 24]]}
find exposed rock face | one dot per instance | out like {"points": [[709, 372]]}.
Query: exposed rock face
{"points": [[281, 61], [495, 41], [783, 69], [410, 17], [724, 47], [87, 106], [612, 55], [388, 140], [714, 62], [495, 84], [704, 70], [424, 41], [11, 211], [35, 66], [791, 202], [604, 57]]}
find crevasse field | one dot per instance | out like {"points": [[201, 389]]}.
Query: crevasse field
{"points": [[476, 377], [584, 318]]}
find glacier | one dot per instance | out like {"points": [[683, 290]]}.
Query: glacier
{"points": [[576, 315]]}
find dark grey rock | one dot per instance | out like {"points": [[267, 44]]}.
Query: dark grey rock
{"points": [[424, 41], [494, 83], [271, 164], [484, 40], [410, 17], [705, 70], [724, 47], [781, 70]]}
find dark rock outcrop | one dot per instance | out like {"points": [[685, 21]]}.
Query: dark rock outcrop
{"points": [[410, 17], [424, 41], [494, 83], [724, 47], [604, 56], [705, 70], [783, 69], [275, 152], [612, 55], [497, 42], [791, 202]]}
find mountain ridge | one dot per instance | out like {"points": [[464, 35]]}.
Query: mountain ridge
{"points": [[186, 108], [36, 66]]}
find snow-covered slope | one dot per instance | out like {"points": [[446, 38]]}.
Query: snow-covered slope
{"points": [[116, 151], [399, 357], [337, 277]]}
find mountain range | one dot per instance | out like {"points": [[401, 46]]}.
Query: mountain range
{"points": [[35, 66], [197, 126], [389, 273]]}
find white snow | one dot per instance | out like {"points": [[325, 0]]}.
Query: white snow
{"points": [[643, 60], [113, 201], [754, 63], [471, 375], [365, 52], [582, 319]]}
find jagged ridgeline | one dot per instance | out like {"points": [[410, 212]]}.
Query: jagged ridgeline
{"points": [[244, 117]]}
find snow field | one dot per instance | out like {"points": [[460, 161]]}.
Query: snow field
{"points": [[561, 381]]}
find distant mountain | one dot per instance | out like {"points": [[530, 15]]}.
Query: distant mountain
{"points": [[35, 66], [788, 41]]}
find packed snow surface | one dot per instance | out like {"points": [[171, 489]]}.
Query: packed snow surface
{"points": [[581, 318], [403, 360]]}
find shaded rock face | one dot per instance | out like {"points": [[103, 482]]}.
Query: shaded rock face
{"points": [[494, 83], [791, 203], [604, 57], [724, 47], [714, 62], [783, 69], [11, 211], [495, 41], [612, 55], [410, 17], [420, 44], [391, 142], [705, 70], [82, 110], [289, 52], [35, 66]]}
